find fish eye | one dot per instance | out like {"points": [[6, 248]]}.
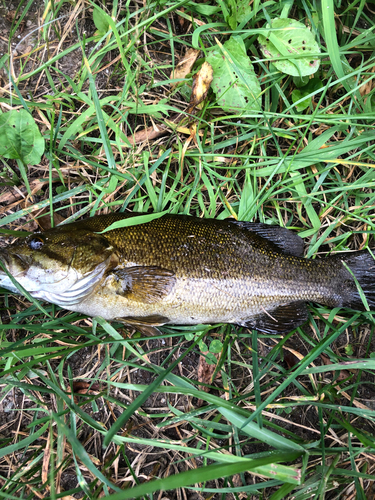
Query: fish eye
{"points": [[36, 243]]}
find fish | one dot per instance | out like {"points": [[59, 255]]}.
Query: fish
{"points": [[183, 270]]}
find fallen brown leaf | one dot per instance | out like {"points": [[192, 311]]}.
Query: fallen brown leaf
{"points": [[205, 372], [11, 15], [147, 134], [44, 221], [201, 84], [182, 22], [14, 193], [299, 357], [290, 358], [183, 68], [366, 88], [237, 481], [82, 387], [344, 374], [295, 353]]}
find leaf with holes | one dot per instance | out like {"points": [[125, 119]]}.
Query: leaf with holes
{"points": [[235, 83], [286, 42], [20, 138]]}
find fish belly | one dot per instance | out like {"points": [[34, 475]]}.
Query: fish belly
{"points": [[193, 301]]}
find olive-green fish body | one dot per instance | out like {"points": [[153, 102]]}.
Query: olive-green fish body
{"points": [[185, 270]]}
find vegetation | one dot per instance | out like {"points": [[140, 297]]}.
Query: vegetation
{"points": [[285, 135]]}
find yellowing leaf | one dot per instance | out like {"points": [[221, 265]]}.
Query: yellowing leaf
{"points": [[201, 84], [183, 68]]}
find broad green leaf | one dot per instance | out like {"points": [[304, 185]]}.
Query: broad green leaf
{"points": [[204, 9], [240, 10], [286, 41], [216, 346], [300, 93], [100, 21], [203, 346], [235, 83], [301, 81], [20, 138], [243, 10]]}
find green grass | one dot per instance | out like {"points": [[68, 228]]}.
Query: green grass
{"points": [[288, 417]]}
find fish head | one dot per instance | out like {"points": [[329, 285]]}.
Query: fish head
{"points": [[60, 265]]}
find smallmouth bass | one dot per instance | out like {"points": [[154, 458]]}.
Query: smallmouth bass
{"points": [[185, 270]]}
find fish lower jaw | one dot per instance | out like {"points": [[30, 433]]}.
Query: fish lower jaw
{"points": [[6, 283]]}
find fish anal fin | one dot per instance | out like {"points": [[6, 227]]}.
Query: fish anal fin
{"points": [[147, 284], [280, 320], [152, 319], [146, 325], [285, 240]]}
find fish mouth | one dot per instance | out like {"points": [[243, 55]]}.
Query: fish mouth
{"points": [[10, 266], [13, 263], [4, 262], [64, 287]]}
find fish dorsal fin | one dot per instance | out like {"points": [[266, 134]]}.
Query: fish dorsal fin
{"points": [[285, 240], [282, 319], [147, 284]]}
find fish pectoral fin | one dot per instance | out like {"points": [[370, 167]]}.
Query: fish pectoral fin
{"points": [[147, 284], [282, 319], [284, 239]]}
